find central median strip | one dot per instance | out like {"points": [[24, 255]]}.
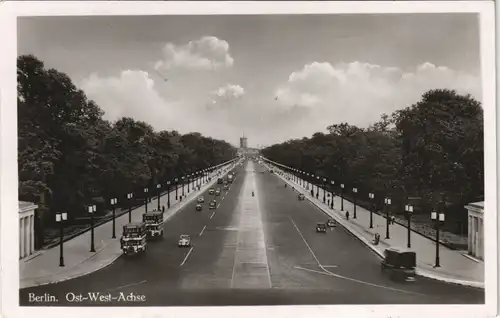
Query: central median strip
{"points": [[250, 268]]}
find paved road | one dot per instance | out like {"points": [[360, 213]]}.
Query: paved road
{"points": [[260, 250]]}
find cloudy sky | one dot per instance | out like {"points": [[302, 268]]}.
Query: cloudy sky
{"points": [[270, 77]]}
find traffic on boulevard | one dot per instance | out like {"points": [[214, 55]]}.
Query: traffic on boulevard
{"points": [[249, 238]]}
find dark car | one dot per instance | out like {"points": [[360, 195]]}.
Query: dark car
{"points": [[321, 228], [399, 264], [199, 207], [331, 223], [301, 197]]}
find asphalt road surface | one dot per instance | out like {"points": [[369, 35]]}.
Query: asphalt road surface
{"points": [[251, 250]]}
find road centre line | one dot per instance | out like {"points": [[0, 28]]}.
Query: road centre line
{"points": [[190, 250], [212, 215], [310, 250], [328, 273], [202, 230], [128, 285]]}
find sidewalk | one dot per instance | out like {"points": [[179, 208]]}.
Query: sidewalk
{"points": [[44, 267], [455, 267]]}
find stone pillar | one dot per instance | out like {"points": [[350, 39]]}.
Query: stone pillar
{"points": [[32, 234], [469, 236], [22, 238]]}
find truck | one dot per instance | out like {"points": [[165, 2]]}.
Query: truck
{"points": [[133, 240], [154, 223]]}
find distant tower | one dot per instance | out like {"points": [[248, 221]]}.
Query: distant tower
{"points": [[243, 142]]}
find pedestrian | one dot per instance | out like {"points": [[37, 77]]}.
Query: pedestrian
{"points": [[163, 208], [393, 219], [347, 215]]}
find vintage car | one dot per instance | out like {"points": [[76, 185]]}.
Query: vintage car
{"points": [[301, 197], [217, 192], [211, 191], [321, 228], [399, 264], [212, 205], [331, 223], [184, 241], [201, 199], [154, 223], [199, 207], [226, 186], [133, 240]]}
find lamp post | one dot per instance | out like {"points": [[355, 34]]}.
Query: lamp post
{"points": [[176, 188], [324, 190], [437, 218], [113, 202], [306, 180], [409, 211], [342, 197], [355, 191], [317, 186], [92, 210], [372, 198], [158, 186], [331, 191], [129, 197], [189, 182], [387, 202], [60, 218], [183, 184], [168, 194], [146, 200]]}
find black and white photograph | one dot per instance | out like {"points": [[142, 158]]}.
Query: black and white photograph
{"points": [[250, 155]]}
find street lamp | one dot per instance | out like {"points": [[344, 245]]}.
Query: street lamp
{"points": [[129, 197], [324, 190], [113, 202], [183, 193], [387, 201], [146, 199], [437, 219], [189, 181], [355, 191], [60, 218], [342, 197], [158, 186], [317, 187], [92, 210], [331, 191], [372, 198], [168, 194], [176, 188], [409, 211]]}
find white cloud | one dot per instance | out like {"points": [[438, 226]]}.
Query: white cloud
{"points": [[226, 95], [206, 53], [132, 94], [360, 92]]}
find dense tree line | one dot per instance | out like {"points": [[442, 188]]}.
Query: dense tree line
{"points": [[432, 150], [68, 154]]}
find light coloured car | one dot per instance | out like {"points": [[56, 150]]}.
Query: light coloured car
{"points": [[213, 205], [185, 241], [199, 207], [217, 192], [301, 197], [201, 199]]}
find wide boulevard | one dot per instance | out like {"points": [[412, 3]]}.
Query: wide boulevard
{"points": [[259, 249]]}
